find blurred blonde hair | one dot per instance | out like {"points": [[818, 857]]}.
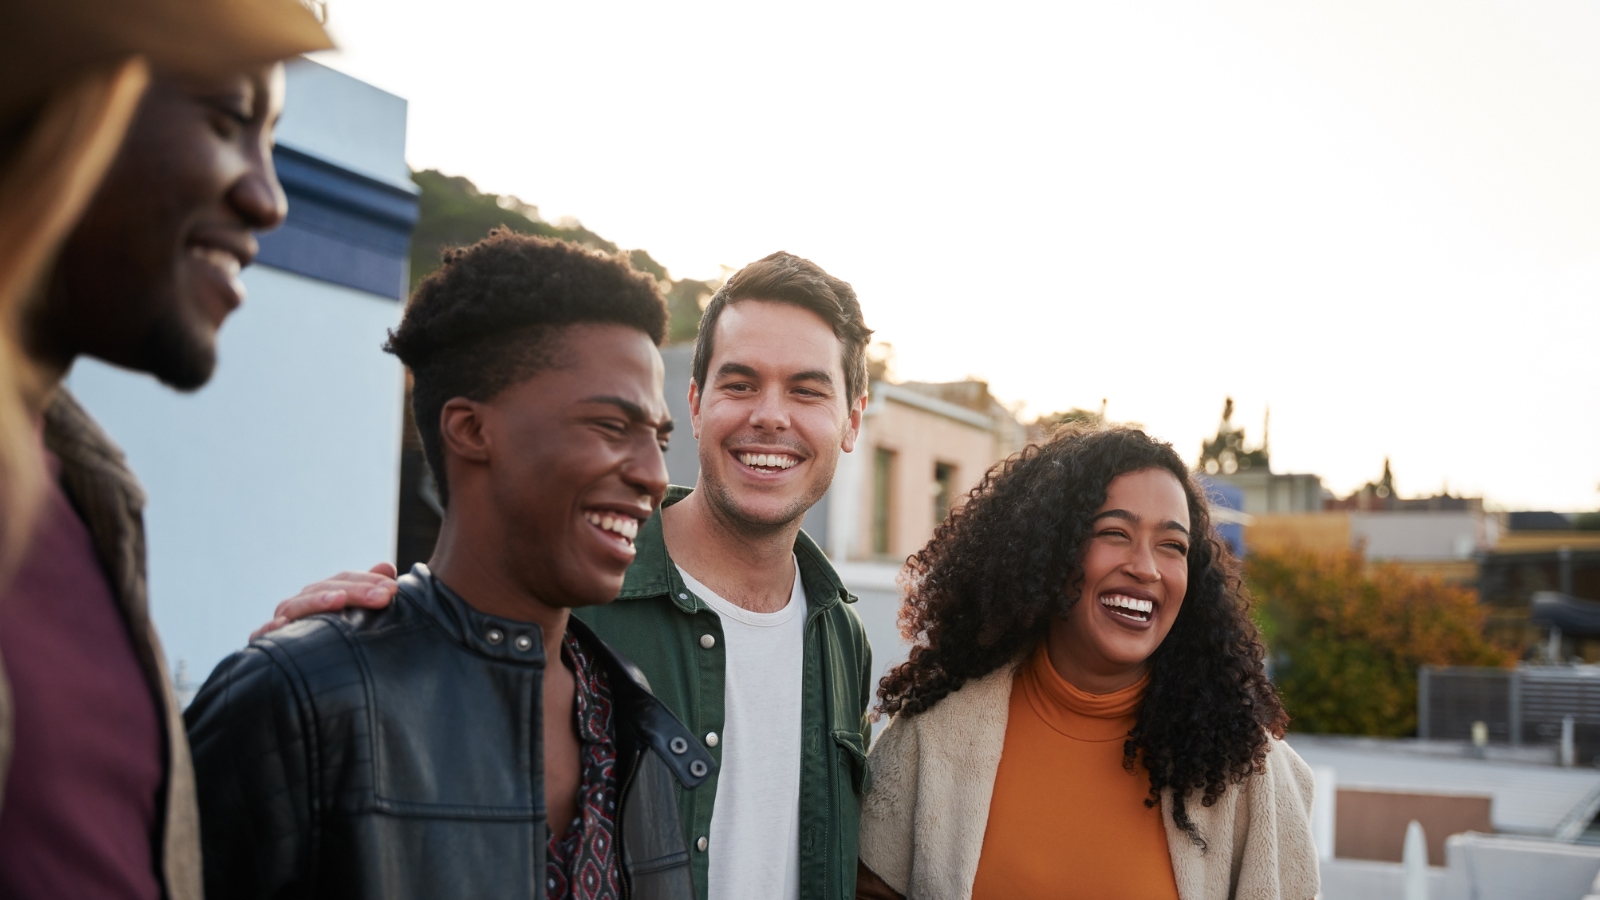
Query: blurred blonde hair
{"points": [[45, 183]]}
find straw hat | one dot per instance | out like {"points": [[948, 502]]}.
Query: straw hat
{"points": [[45, 42]]}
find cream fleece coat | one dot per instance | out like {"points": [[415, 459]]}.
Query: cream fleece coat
{"points": [[923, 821]]}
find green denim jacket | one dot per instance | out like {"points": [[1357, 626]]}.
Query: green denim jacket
{"points": [[659, 624]]}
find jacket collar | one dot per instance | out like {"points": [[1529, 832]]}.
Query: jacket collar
{"points": [[653, 574], [95, 476], [509, 640], [86, 451]]}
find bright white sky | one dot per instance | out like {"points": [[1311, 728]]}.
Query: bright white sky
{"points": [[1380, 218]]}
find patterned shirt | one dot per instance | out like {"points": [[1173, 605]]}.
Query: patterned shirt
{"points": [[584, 864]]}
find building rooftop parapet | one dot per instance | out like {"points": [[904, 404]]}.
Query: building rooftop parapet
{"points": [[883, 391]]}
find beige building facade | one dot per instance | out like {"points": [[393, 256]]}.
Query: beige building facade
{"points": [[918, 455]]}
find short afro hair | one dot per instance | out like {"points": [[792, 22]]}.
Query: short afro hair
{"points": [[491, 316]]}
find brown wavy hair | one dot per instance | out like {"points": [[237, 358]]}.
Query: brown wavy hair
{"points": [[1007, 563]]}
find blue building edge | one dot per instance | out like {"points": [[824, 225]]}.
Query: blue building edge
{"points": [[1227, 512], [343, 227]]}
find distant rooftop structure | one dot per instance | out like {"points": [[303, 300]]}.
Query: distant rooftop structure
{"points": [[1526, 798], [1225, 454], [1227, 460], [1380, 495], [1538, 520]]}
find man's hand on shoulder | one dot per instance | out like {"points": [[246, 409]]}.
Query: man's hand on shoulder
{"points": [[372, 589]]}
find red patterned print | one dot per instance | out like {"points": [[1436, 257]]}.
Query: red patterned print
{"points": [[585, 865]]}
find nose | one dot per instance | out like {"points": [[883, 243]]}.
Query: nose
{"points": [[258, 197], [1141, 563], [646, 470], [769, 412]]}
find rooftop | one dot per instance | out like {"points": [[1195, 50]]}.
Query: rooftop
{"points": [[1528, 798]]}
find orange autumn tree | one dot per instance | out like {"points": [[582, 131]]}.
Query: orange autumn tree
{"points": [[1346, 638]]}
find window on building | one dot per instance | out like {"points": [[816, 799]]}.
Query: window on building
{"points": [[944, 479], [882, 500]]}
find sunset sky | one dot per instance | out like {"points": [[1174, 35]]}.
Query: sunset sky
{"points": [[1380, 218]]}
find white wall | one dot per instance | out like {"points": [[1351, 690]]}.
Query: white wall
{"points": [[282, 471], [1420, 534], [346, 122]]}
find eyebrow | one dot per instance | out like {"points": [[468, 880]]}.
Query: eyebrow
{"points": [[744, 371], [633, 411], [1135, 519]]}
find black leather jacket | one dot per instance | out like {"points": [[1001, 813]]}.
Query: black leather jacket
{"points": [[399, 754]]}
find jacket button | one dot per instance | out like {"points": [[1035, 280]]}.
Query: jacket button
{"points": [[495, 636], [711, 739], [698, 768], [524, 642], [708, 641], [678, 746], [702, 844]]}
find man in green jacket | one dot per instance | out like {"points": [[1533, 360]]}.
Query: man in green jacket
{"points": [[734, 614]]}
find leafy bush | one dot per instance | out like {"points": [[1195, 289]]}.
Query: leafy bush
{"points": [[1346, 637]]}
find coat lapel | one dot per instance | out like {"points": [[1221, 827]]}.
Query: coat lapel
{"points": [[96, 478]]}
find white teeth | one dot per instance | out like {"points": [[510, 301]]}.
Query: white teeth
{"points": [[1118, 601], [768, 460], [626, 526], [222, 259]]}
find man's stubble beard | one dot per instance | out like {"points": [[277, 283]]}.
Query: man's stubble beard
{"points": [[725, 507]]}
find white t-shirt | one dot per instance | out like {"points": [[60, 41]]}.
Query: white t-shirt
{"points": [[755, 823]]}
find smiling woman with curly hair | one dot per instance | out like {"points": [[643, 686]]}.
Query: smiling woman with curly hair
{"points": [[1084, 712]]}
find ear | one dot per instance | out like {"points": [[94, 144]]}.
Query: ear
{"points": [[852, 429], [694, 408], [461, 428]]}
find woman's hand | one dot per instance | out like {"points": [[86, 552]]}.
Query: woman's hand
{"points": [[372, 589]]}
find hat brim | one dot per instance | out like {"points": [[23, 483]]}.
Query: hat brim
{"points": [[46, 43]]}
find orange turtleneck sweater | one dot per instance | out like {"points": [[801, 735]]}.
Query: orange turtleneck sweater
{"points": [[1067, 820]]}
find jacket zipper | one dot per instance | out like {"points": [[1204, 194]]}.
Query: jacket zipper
{"points": [[828, 752], [622, 799]]}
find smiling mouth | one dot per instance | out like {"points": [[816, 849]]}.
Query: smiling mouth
{"points": [[1128, 607], [626, 528], [222, 260], [768, 462]]}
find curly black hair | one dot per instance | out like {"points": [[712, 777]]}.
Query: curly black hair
{"points": [[1006, 563], [492, 315]]}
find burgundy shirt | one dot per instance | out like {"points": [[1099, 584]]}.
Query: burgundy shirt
{"points": [[79, 814], [584, 864]]}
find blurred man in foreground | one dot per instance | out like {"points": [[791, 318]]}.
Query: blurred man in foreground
{"points": [[438, 749], [98, 794]]}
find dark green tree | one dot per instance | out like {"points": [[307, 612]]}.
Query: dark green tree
{"points": [[454, 212]]}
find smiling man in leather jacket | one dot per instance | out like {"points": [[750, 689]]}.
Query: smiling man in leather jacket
{"points": [[473, 739]]}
